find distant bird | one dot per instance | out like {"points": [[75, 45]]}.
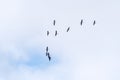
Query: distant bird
{"points": [[54, 22], [56, 33], [49, 57], [81, 22], [94, 22], [68, 29], [47, 49], [47, 33]]}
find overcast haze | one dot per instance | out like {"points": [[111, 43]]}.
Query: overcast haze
{"points": [[86, 52]]}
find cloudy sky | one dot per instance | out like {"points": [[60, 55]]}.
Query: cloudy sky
{"points": [[84, 53]]}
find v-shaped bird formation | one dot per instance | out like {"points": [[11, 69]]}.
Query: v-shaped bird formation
{"points": [[56, 33]]}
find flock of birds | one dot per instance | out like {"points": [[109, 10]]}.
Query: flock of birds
{"points": [[54, 22]]}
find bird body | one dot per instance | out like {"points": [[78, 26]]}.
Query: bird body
{"points": [[68, 29], [47, 33], [49, 57], [47, 49], [54, 22], [94, 22], [56, 33], [81, 22]]}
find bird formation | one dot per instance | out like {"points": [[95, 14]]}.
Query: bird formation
{"points": [[56, 33], [47, 53], [81, 22]]}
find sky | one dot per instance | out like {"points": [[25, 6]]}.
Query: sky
{"points": [[86, 52]]}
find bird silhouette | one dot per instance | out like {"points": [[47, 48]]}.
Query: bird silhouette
{"points": [[47, 33], [56, 33], [49, 57], [81, 22], [68, 29], [47, 49], [54, 22], [94, 22]]}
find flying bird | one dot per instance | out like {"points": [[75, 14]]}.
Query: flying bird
{"points": [[56, 33], [47, 49], [81, 22], [54, 22], [47, 33], [68, 29], [49, 57], [94, 22]]}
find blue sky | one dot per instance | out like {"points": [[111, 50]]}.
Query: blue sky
{"points": [[85, 52]]}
